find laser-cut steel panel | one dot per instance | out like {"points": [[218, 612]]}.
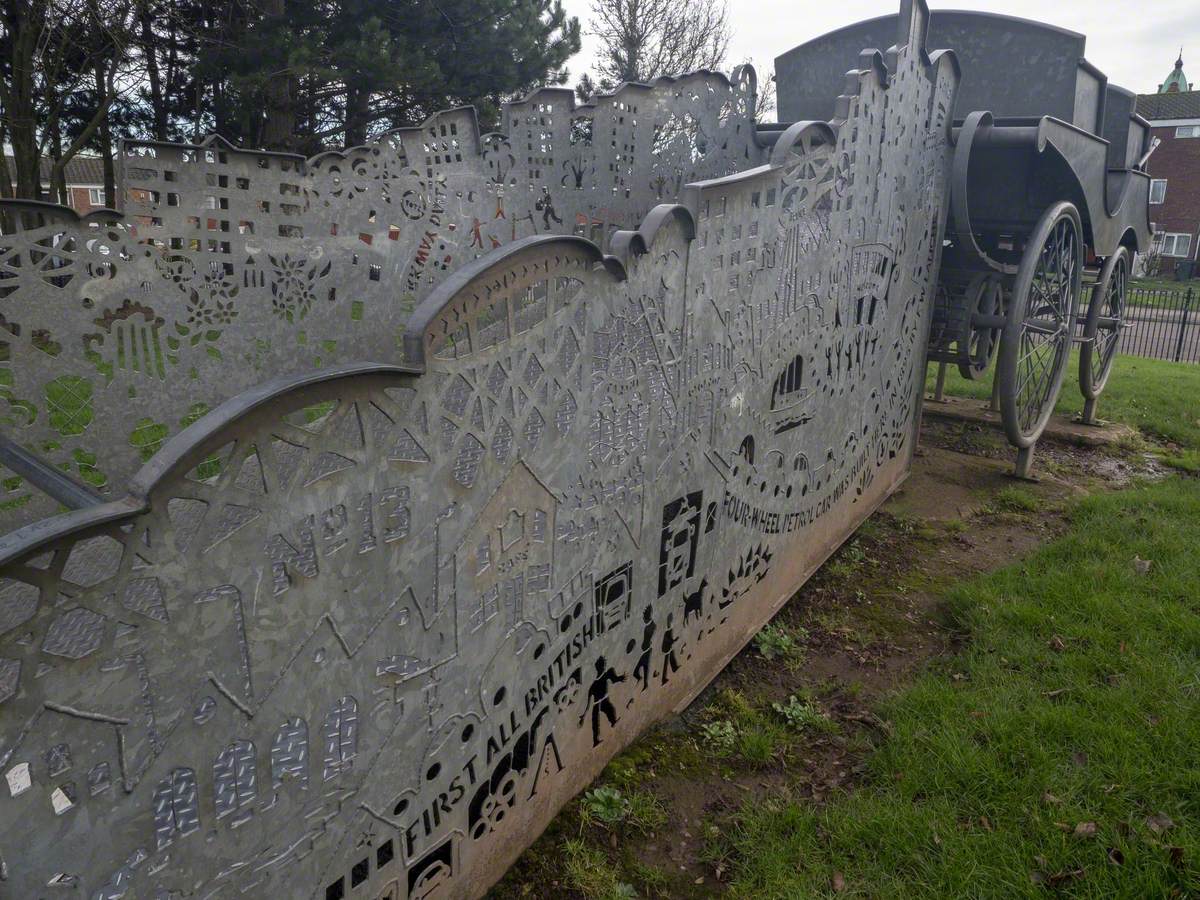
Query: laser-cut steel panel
{"points": [[233, 266], [362, 633]]}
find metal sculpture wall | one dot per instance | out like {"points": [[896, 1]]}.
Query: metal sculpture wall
{"points": [[362, 632], [232, 266]]}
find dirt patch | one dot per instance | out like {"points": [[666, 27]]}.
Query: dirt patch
{"points": [[864, 624]]}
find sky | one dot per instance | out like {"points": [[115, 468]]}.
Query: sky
{"points": [[1136, 50]]}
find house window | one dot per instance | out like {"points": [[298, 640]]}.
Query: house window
{"points": [[1186, 131], [1174, 245], [1158, 190], [96, 196]]}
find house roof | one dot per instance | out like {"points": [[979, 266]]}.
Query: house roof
{"points": [[1178, 105], [80, 170]]}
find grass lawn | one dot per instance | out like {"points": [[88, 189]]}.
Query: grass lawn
{"points": [[1159, 294], [1060, 751], [1159, 284], [1161, 399]]}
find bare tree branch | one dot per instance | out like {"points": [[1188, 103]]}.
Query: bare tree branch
{"points": [[642, 39]]}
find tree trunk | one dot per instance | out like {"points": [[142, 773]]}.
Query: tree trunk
{"points": [[279, 125], [22, 19], [357, 115], [6, 185], [58, 171], [158, 104], [104, 79], [104, 134]]}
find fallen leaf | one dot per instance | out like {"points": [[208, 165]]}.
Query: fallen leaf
{"points": [[1062, 826], [699, 880], [1142, 565], [1048, 797], [1068, 875], [1057, 643], [983, 820], [1159, 822], [1085, 829], [1176, 856], [1057, 693], [838, 882], [1115, 856]]}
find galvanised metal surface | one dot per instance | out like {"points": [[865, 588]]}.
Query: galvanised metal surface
{"points": [[232, 266], [362, 632]]}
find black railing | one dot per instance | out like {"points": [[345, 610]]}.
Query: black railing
{"points": [[1159, 324]]}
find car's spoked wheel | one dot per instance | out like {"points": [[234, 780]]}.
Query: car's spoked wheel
{"points": [[1037, 335], [985, 300], [1102, 327]]}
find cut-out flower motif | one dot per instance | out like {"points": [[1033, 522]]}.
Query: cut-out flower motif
{"points": [[293, 287]]}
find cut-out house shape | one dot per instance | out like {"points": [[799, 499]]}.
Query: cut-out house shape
{"points": [[503, 566]]}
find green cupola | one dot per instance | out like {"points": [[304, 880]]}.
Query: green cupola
{"points": [[1176, 83]]}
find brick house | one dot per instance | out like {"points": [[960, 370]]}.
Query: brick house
{"points": [[1174, 168], [85, 181]]}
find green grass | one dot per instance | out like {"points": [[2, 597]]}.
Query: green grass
{"points": [[1058, 753], [608, 807], [588, 870], [803, 715], [1160, 399], [754, 734], [1160, 284], [781, 642], [1014, 499], [1187, 461]]}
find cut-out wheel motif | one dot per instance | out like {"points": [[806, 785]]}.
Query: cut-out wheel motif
{"points": [[1102, 325], [1037, 335], [496, 807]]}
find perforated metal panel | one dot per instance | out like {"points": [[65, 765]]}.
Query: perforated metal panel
{"points": [[362, 632], [233, 266]]}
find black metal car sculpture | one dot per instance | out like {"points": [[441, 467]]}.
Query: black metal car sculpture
{"points": [[1048, 176]]}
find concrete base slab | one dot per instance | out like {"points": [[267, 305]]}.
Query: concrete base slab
{"points": [[1059, 428]]}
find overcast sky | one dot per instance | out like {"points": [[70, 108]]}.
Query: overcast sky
{"points": [[1134, 42]]}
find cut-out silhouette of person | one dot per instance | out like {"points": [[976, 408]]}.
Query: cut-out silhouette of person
{"points": [[597, 698], [545, 205], [642, 669], [670, 662]]}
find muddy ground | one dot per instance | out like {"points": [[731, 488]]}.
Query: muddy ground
{"points": [[869, 619]]}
